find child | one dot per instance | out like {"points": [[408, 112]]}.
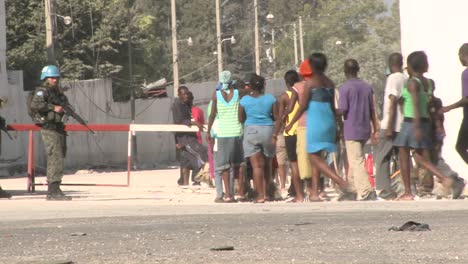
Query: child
{"points": [[437, 118], [416, 128]]}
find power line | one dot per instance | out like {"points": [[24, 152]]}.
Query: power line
{"points": [[97, 106], [195, 71], [106, 112], [203, 76]]}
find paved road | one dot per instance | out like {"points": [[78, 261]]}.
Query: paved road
{"points": [[353, 232], [155, 221]]}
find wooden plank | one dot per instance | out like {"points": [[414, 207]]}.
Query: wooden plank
{"points": [[163, 128]]}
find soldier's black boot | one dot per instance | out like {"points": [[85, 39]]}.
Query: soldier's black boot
{"points": [[55, 194], [4, 194]]}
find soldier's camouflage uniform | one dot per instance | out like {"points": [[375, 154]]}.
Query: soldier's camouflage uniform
{"points": [[52, 132]]}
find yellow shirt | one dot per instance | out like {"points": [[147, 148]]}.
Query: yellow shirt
{"points": [[290, 117]]}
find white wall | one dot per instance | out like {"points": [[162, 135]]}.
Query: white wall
{"points": [[439, 28]]}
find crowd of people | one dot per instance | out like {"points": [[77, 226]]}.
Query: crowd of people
{"points": [[320, 132]]}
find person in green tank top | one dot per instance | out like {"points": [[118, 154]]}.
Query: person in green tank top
{"points": [[424, 179], [229, 154], [416, 131]]}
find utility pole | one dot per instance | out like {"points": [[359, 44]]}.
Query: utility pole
{"points": [[218, 37], [130, 86], [301, 38], [273, 51], [273, 43], [257, 48], [175, 63], [296, 61], [49, 8]]}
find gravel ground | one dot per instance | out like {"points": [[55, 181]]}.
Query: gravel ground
{"points": [[301, 235], [156, 221]]}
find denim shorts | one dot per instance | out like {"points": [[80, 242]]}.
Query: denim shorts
{"points": [[406, 136], [229, 153], [258, 139]]}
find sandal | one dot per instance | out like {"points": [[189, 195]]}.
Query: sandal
{"points": [[406, 197], [242, 199], [295, 201], [230, 200]]}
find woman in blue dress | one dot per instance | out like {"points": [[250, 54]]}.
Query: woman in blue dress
{"points": [[319, 102]]}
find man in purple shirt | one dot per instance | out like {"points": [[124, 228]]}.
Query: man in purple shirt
{"points": [[462, 140], [356, 104]]}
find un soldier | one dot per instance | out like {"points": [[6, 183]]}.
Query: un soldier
{"points": [[47, 114]]}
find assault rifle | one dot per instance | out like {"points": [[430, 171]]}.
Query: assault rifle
{"points": [[62, 100]]}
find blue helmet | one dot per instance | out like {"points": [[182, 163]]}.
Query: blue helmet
{"points": [[50, 71]]}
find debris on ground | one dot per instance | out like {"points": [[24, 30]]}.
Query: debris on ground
{"points": [[226, 248], [411, 226], [305, 223], [78, 234]]}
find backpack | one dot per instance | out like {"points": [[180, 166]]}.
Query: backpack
{"points": [[35, 116]]}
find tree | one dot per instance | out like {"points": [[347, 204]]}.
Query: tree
{"points": [[364, 30], [96, 44], [25, 39]]}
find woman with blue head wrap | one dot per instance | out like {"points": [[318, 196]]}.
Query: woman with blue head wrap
{"points": [[225, 80]]}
